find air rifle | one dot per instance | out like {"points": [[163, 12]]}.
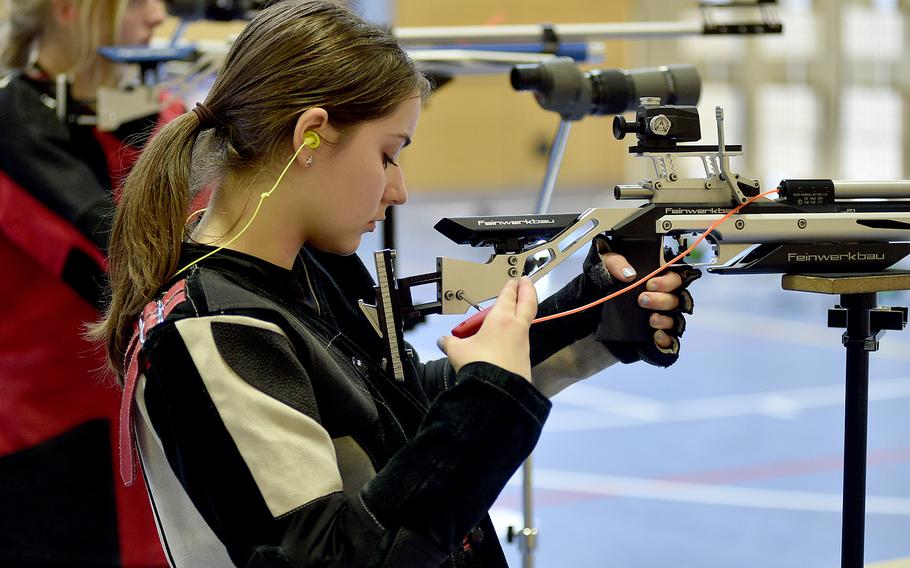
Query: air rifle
{"points": [[812, 226]]}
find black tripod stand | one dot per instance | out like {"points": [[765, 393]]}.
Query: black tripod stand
{"points": [[863, 320]]}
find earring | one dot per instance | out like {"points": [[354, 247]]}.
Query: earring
{"points": [[309, 160]]}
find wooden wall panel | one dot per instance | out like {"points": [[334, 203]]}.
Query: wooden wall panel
{"points": [[477, 134], [202, 30], [474, 12]]}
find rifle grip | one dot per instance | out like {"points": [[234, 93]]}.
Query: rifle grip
{"points": [[622, 319]]}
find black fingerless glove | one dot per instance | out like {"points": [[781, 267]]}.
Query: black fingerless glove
{"points": [[620, 324], [624, 326]]}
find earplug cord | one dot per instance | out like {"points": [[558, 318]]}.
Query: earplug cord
{"points": [[310, 139], [662, 268]]}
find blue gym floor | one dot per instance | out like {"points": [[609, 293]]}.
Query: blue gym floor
{"points": [[732, 457]]}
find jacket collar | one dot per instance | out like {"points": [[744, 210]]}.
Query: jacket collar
{"points": [[254, 273]]}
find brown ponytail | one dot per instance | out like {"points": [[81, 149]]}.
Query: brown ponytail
{"points": [[149, 226], [294, 55]]}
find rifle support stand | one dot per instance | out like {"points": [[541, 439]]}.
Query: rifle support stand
{"points": [[864, 322]]}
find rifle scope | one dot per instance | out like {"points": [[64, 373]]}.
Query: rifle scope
{"points": [[559, 85]]}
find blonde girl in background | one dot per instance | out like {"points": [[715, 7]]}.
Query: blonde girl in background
{"points": [[59, 180]]}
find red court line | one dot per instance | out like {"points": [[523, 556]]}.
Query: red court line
{"points": [[543, 497], [786, 468]]}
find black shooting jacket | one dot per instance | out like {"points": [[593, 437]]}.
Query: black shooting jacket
{"points": [[270, 435]]}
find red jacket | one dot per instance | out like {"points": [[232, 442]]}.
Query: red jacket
{"points": [[63, 503]]}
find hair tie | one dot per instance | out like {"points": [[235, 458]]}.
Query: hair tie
{"points": [[205, 116]]}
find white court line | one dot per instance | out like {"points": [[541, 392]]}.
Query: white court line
{"points": [[891, 346], [602, 408], [611, 401], [726, 495]]}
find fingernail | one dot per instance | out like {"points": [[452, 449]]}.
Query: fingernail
{"points": [[628, 272], [652, 285], [644, 300], [439, 344], [660, 336]]}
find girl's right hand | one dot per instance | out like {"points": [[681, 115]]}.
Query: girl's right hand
{"points": [[503, 338]]}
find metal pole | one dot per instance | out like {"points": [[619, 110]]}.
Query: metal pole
{"points": [[554, 161], [388, 228], [859, 340], [852, 189], [533, 32], [904, 87], [831, 83], [527, 541]]}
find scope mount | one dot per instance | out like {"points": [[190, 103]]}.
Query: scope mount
{"points": [[660, 129]]}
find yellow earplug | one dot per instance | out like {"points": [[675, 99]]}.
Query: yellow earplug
{"points": [[311, 139]]}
